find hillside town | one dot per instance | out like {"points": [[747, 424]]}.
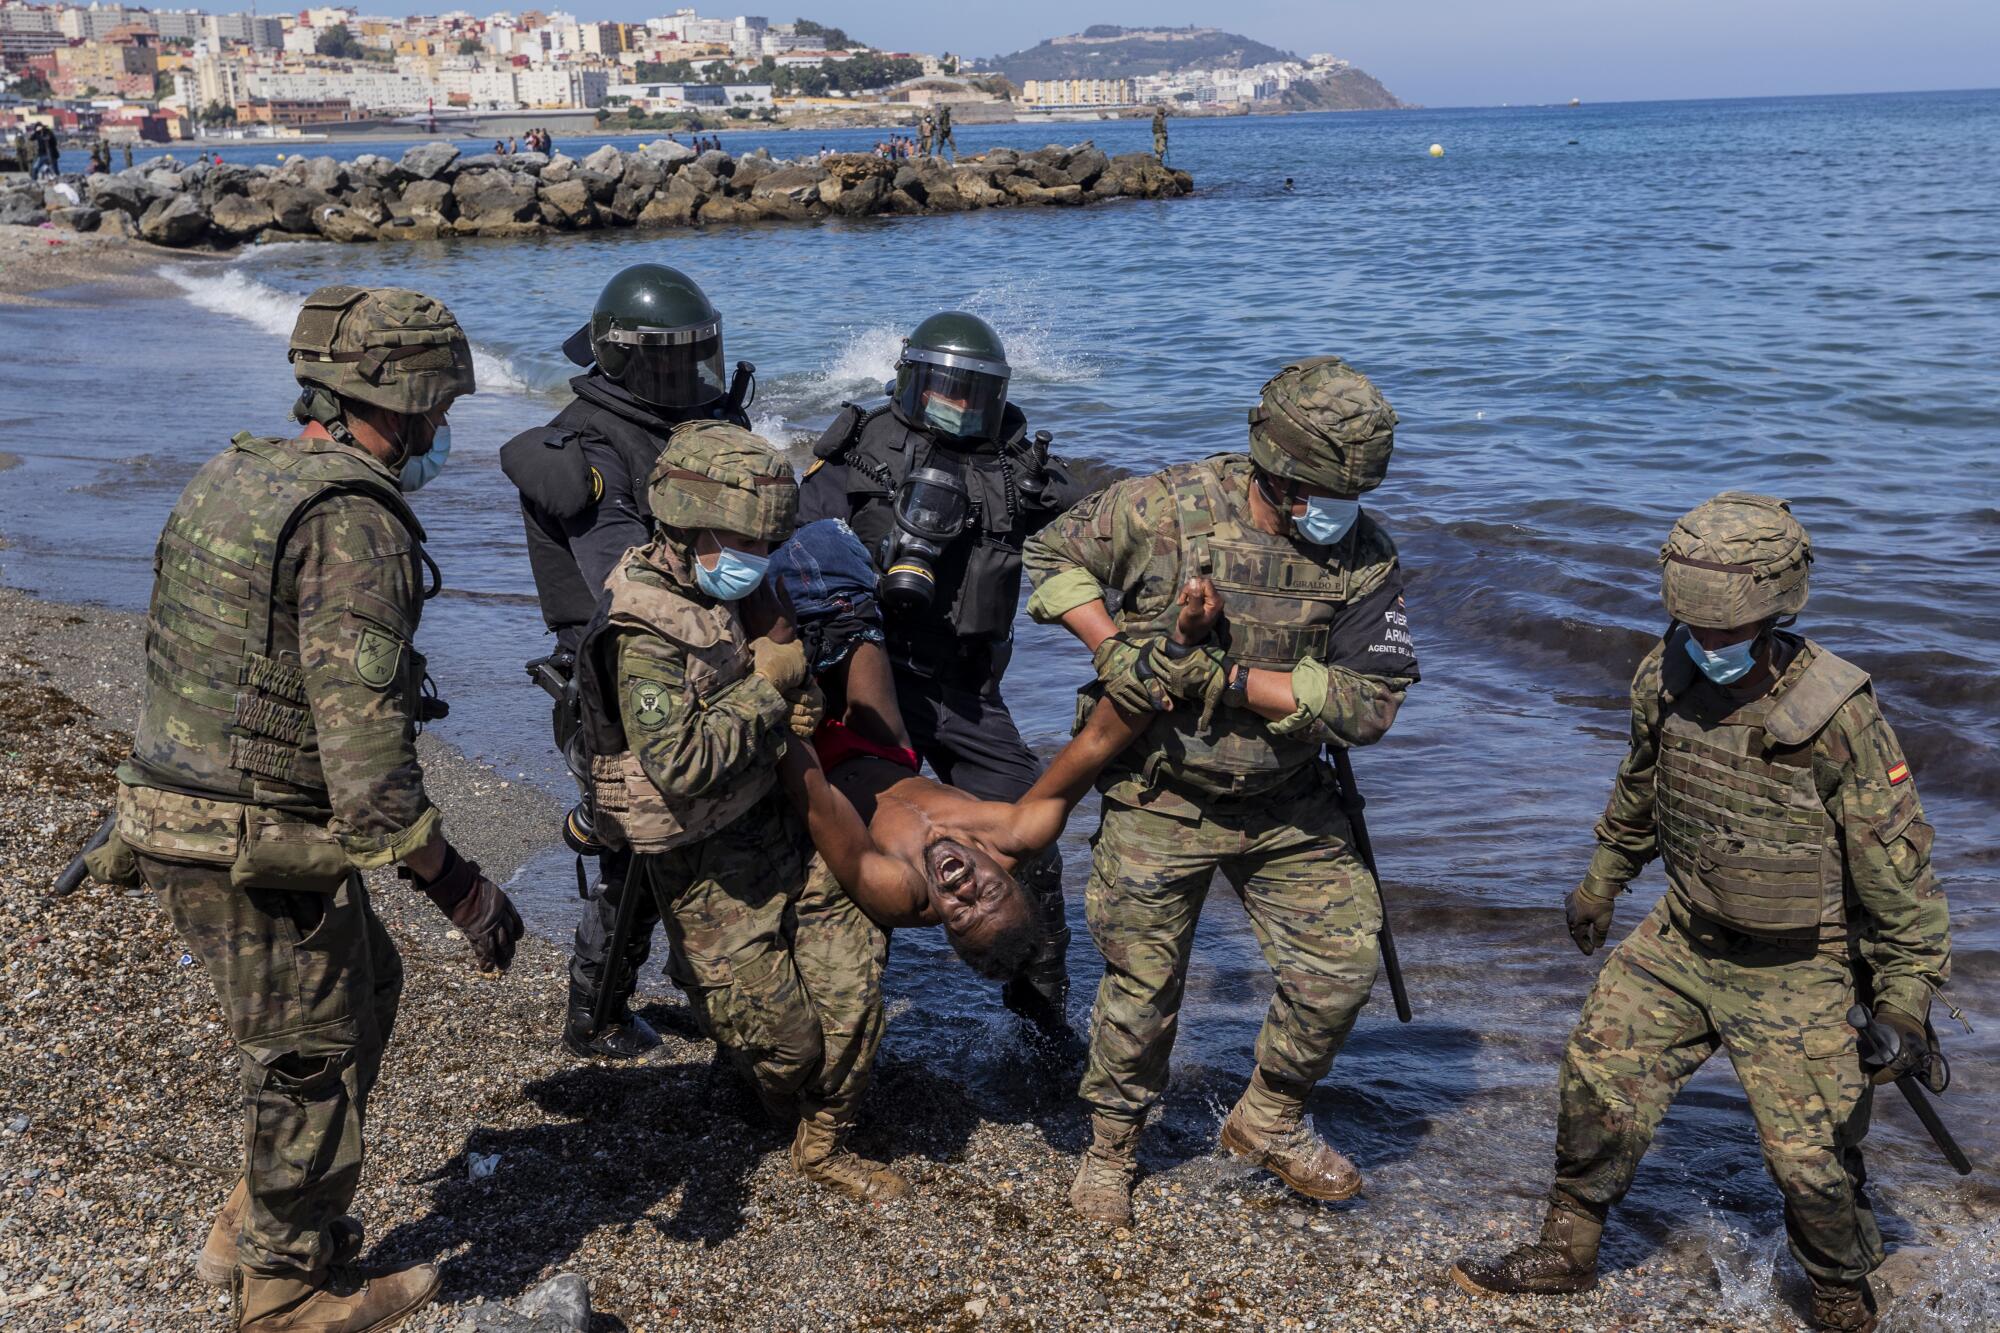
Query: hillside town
{"points": [[128, 74]]}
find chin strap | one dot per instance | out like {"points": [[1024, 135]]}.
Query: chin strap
{"points": [[1286, 527], [316, 404]]}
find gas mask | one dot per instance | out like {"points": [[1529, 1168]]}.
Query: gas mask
{"points": [[931, 510]]}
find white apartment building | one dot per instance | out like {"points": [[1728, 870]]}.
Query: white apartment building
{"points": [[561, 85]]}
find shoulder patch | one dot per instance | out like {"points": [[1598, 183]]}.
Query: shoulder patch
{"points": [[377, 653], [649, 705]]}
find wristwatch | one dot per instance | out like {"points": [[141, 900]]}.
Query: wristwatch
{"points": [[1236, 684]]}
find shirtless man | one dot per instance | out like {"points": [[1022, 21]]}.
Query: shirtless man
{"points": [[908, 849]]}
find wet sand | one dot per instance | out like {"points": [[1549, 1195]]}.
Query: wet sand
{"points": [[38, 260]]}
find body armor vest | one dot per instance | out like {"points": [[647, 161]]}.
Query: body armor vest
{"points": [[226, 714], [979, 574], [1743, 827], [628, 809], [1281, 604]]}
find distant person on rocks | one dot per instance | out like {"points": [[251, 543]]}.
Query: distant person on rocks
{"points": [[275, 761], [49, 158], [128, 155], [945, 138], [100, 156], [513, 147], [1160, 132], [926, 132], [22, 155], [500, 148]]}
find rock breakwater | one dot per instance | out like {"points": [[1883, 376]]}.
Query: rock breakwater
{"points": [[432, 190]]}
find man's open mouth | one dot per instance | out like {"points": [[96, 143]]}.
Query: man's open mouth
{"points": [[950, 867]]}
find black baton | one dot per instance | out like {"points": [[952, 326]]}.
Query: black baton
{"points": [[611, 976], [1879, 1045], [72, 879], [1353, 802]]}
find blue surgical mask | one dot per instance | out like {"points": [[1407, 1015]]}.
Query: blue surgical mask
{"points": [[422, 469], [1326, 519], [735, 576], [1725, 664]]}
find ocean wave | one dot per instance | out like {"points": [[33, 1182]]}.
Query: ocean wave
{"points": [[240, 296]]}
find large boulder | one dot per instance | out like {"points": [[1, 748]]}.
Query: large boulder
{"points": [[859, 199], [716, 162], [748, 172], [406, 228], [559, 169], [531, 163], [324, 174], [675, 206], [635, 188], [337, 222], [1086, 164], [567, 204], [369, 203], [426, 199], [485, 162], [129, 196], [294, 207], [238, 217], [606, 161], [788, 192], [667, 152], [601, 186], [1137, 176], [495, 203], [81, 217], [176, 222], [1025, 190], [974, 187], [428, 161], [722, 209], [700, 177], [23, 208]]}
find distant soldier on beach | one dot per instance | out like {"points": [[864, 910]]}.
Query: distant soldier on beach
{"points": [[945, 138], [275, 760], [926, 133], [652, 358], [1314, 651], [1798, 880], [1160, 132]]}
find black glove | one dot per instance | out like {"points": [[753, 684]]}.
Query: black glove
{"points": [[1589, 913], [1912, 1045], [477, 907]]}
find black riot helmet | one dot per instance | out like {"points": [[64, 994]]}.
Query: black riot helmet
{"points": [[654, 333], [951, 380]]}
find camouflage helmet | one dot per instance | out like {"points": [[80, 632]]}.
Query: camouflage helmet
{"points": [[1322, 423], [390, 348], [716, 475], [1737, 560]]}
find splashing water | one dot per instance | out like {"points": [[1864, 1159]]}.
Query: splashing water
{"points": [[1746, 1270], [240, 296], [1946, 1290]]}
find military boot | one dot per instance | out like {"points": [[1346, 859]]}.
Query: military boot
{"points": [[1268, 1128], [626, 1036], [1563, 1260], [340, 1300], [1102, 1190], [819, 1156], [216, 1262], [1848, 1307]]}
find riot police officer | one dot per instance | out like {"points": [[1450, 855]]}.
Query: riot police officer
{"points": [[943, 484], [652, 358]]}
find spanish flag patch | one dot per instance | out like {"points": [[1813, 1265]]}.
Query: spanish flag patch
{"points": [[1900, 773]]}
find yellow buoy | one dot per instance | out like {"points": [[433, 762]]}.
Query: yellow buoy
{"points": [[1437, 150]]}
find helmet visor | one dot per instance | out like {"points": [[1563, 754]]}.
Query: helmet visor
{"points": [[674, 368], [954, 396]]}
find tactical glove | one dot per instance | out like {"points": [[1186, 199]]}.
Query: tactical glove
{"points": [[1128, 682], [808, 710], [1913, 1043], [1589, 913], [1198, 675], [477, 907], [783, 664]]}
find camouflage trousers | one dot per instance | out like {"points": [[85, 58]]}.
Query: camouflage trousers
{"points": [[309, 984], [783, 970], [1288, 855], [1676, 991]]}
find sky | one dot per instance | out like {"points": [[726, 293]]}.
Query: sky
{"points": [[1472, 52]]}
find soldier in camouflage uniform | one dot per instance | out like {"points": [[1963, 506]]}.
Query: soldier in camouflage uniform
{"points": [[1160, 133], [687, 714], [275, 759], [1798, 879], [1313, 651], [926, 132]]}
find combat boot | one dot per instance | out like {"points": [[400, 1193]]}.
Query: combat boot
{"points": [[1268, 1128], [1102, 1190], [216, 1262], [819, 1156], [1563, 1260], [626, 1036], [1847, 1307], [340, 1300]]}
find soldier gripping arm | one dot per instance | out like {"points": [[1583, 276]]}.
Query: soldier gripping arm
{"points": [[691, 747], [1906, 936], [357, 582]]}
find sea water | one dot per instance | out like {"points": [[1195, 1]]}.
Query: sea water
{"points": [[1589, 320]]}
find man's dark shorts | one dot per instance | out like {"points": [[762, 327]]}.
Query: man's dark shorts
{"points": [[830, 581]]}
